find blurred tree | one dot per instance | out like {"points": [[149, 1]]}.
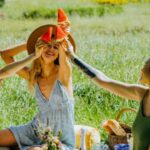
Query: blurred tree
{"points": [[2, 2]]}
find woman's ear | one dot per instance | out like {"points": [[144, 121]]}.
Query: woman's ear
{"points": [[63, 21]]}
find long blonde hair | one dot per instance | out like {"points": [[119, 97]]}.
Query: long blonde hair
{"points": [[34, 73]]}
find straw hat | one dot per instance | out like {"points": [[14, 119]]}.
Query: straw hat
{"points": [[38, 33], [44, 32]]}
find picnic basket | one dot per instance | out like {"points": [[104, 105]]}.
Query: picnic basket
{"points": [[115, 139]]}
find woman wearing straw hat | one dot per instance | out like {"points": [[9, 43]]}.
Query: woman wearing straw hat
{"points": [[141, 126], [50, 75]]}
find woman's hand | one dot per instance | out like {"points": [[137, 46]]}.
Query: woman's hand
{"points": [[68, 48], [38, 51], [39, 47]]}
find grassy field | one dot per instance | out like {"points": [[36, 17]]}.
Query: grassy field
{"points": [[115, 44]]}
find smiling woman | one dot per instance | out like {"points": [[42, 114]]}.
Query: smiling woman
{"points": [[50, 76]]}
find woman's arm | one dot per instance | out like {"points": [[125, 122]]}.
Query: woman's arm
{"points": [[65, 70], [9, 53], [125, 90], [8, 56], [14, 67]]}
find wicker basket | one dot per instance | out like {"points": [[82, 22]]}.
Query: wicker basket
{"points": [[114, 139]]}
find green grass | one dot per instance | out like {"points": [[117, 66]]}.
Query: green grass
{"points": [[83, 11], [115, 44], [47, 9], [14, 9]]}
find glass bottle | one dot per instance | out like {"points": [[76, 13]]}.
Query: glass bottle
{"points": [[82, 140]]}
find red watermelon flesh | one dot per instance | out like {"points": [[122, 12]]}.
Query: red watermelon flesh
{"points": [[46, 37], [59, 34], [62, 16]]}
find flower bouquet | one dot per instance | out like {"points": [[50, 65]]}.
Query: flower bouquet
{"points": [[51, 141]]}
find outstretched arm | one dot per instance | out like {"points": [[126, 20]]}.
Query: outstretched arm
{"points": [[125, 90]]}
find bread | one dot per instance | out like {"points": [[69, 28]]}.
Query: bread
{"points": [[92, 136], [113, 127]]}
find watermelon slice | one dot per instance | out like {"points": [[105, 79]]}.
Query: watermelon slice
{"points": [[46, 37], [59, 34], [63, 21], [62, 17]]}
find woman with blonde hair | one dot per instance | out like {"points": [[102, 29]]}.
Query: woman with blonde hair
{"points": [[50, 75], [141, 125]]}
